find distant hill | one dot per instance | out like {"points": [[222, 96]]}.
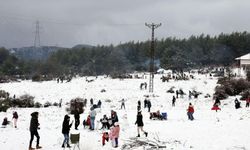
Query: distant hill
{"points": [[34, 53], [80, 46], [40, 53]]}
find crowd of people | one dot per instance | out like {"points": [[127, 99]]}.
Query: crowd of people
{"points": [[110, 123]]}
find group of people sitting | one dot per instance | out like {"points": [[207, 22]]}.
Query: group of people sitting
{"points": [[158, 115], [106, 122]]}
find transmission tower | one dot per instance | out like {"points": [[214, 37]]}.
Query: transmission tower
{"points": [[152, 56], [37, 35]]}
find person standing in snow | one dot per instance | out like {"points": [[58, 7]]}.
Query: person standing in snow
{"points": [[65, 130], [173, 101], [123, 104], [177, 93], [114, 117], [149, 105], [92, 115], [145, 103], [139, 122], [139, 106], [237, 103], [77, 119], [248, 101], [217, 101], [91, 101], [34, 126], [115, 133], [15, 117], [190, 112]]}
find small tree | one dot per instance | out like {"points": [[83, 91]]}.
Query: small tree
{"points": [[76, 104]]}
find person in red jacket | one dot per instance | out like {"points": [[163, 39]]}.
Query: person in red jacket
{"points": [[105, 137], [190, 111], [247, 101]]}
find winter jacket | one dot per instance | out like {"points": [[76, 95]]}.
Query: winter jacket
{"points": [[92, 113], [111, 133], [115, 132], [66, 126], [190, 108], [15, 115], [139, 121], [149, 104], [34, 121]]}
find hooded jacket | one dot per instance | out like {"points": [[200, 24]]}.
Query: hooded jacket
{"points": [[66, 126], [34, 121]]}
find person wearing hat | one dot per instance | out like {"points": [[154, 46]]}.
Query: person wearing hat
{"points": [[140, 124], [34, 126]]}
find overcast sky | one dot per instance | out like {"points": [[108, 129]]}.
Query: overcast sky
{"points": [[70, 22]]}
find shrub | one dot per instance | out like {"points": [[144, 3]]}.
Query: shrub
{"points": [[4, 94], [76, 104], [36, 78], [55, 104], [245, 94], [230, 87], [4, 105], [26, 101], [47, 104], [37, 105], [220, 93]]}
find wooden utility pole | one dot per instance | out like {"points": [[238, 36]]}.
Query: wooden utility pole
{"points": [[152, 56]]}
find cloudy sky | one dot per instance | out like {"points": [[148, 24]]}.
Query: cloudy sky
{"points": [[70, 22]]}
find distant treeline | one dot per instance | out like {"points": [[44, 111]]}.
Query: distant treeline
{"points": [[170, 53]]}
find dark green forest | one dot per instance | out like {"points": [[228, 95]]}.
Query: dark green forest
{"points": [[170, 53]]}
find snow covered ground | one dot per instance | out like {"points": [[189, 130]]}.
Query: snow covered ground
{"points": [[227, 129]]}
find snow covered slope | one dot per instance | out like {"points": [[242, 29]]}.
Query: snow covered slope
{"points": [[227, 129]]}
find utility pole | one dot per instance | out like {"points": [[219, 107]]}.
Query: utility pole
{"points": [[37, 35], [152, 56]]}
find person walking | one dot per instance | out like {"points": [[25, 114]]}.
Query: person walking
{"points": [[173, 101], [139, 123], [190, 112], [92, 115], [15, 117], [34, 126], [65, 130], [123, 104]]}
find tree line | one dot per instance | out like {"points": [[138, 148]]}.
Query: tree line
{"points": [[170, 53]]}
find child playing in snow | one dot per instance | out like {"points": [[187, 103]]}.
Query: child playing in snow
{"points": [[114, 134], [105, 137], [15, 117]]}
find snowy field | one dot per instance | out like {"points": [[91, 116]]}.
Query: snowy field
{"points": [[228, 129]]}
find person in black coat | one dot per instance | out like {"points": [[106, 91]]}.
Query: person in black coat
{"points": [[77, 119], [114, 117], [149, 105], [65, 130], [139, 122], [139, 106], [173, 101], [145, 103], [34, 126]]}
